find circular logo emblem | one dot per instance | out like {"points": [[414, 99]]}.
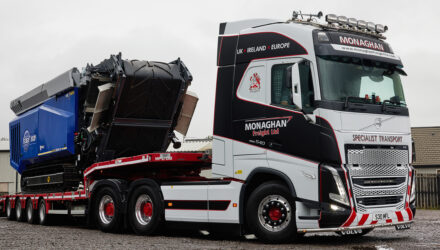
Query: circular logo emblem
{"points": [[26, 140]]}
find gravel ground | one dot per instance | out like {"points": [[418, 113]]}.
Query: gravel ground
{"points": [[425, 233]]}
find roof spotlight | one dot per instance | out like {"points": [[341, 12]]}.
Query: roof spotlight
{"points": [[331, 18], [352, 22], [361, 24], [380, 28], [371, 26], [342, 20]]}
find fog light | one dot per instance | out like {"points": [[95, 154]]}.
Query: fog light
{"points": [[335, 207]]}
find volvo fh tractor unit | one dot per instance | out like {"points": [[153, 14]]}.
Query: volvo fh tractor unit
{"points": [[311, 134]]}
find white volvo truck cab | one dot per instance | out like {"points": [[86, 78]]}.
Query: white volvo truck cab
{"points": [[311, 118]]}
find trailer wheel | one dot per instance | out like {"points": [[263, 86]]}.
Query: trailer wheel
{"points": [[270, 213], [19, 215], [42, 215], [145, 211], [30, 212], [9, 213], [108, 212]]}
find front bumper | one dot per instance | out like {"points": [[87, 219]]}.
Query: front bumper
{"points": [[339, 229]]}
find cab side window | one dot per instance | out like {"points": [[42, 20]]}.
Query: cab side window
{"points": [[281, 94]]}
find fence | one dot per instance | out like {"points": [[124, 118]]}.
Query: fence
{"points": [[427, 191]]}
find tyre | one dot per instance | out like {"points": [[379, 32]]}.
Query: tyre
{"points": [[108, 210], [30, 212], [270, 213], [43, 217], [19, 213], [355, 233], [145, 210], [10, 214]]}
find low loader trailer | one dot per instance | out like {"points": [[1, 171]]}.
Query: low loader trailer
{"points": [[311, 134]]}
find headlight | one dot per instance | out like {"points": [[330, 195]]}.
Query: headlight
{"points": [[342, 197]]}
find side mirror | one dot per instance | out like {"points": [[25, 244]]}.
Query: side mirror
{"points": [[296, 85]]}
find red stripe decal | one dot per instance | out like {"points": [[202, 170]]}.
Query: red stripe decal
{"points": [[399, 216], [363, 219], [373, 222], [350, 220], [410, 215], [389, 221]]}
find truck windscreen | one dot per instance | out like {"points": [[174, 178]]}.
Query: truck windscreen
{"points": [[360, 80]]}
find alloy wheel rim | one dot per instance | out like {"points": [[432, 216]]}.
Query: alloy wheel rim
{"points": [[274, 213]]}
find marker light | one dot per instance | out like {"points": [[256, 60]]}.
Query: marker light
{"points": [[322, 37], [352, 22], [361, 24], [342, 20], [331, 18], [381, 28], [371, 26]]}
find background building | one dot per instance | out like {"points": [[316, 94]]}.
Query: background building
{"points": [[9, 178], [427, 147]]}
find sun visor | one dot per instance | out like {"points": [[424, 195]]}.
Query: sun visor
{"points": [[351, 45]]}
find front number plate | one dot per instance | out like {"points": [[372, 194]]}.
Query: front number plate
{"points": [[381, 217]]}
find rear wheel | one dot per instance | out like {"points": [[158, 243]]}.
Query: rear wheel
{"points": [[30, 212], [9, 213], [108, 212], [42, 215], [270, 213], [145, 210], [19, 210]]}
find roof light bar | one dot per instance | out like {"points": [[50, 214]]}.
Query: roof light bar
{"points": [[353, 23]]}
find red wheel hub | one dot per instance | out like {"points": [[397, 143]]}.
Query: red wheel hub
{"points": [[147, 209], [275, 213], [109, 209]]}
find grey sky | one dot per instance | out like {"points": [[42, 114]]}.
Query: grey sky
{"points": [[41, 39]]}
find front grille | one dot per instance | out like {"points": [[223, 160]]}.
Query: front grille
{"points": [[379, 181], [379, 201], [379, 176], [381, 156]]}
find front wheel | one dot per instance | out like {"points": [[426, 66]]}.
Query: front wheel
{"points": [[270, 213], [145, 210]]}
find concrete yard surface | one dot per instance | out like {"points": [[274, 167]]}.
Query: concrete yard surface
{"points": [[70, 234]]}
